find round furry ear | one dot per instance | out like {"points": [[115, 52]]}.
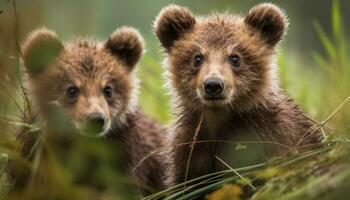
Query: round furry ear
{"points": [[41, 48], [172, 22], [126, 44], [269, 20]]}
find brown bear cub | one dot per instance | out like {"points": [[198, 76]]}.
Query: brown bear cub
{"points": [[95, 86], [222, 72]]}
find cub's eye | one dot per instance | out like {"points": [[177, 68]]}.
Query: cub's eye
{"points": [[72, 92], [235, 61], [198, 60], [108, 91]]}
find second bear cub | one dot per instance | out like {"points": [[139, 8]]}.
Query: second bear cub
{"points": [[95, 86], [222, 72]]}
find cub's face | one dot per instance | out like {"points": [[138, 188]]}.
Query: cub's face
{"points": [[93, 84], [221, 60]]}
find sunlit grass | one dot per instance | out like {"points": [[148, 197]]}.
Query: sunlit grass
{"points": [[218, 179], [322, 87]]}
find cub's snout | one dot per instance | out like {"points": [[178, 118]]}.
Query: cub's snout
{"points": [[213, 88]]}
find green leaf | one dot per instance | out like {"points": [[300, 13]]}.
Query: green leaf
{"points": [[240, 146], [326, 42], [336, 19], [229, 191]]}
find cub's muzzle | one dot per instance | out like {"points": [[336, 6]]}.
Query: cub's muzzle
{"points": [[214, 88]]}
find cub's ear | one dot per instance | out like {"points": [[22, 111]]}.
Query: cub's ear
{"points": [[172, 22], [269, 20], [41, 48], [126, 44]]}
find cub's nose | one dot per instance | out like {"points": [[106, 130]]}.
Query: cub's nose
{"points": [[97, 120], [213, 87]]}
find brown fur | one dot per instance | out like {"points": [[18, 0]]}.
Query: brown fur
{"points": [[54, 66], [254, 107]]}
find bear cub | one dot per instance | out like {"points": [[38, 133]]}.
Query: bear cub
{"points": [[222, 72], [94, 85]]}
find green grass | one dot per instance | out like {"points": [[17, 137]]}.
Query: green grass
{"points": [[154, 98]]}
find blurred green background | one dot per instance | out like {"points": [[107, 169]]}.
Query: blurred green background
{"points": [[314, 58]]}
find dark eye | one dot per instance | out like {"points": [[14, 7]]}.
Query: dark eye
{"points": [[235, 61], [72, 92], [108, 91], [198, 60]]}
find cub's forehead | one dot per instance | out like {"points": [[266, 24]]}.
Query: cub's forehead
{"points": [[85, 58], [221, 32], [220, 21]]}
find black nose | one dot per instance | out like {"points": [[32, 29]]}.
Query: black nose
{"points": [[213, 87], [97, 120]]}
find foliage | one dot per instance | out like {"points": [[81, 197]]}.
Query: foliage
{"points": [[229, 191]]}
